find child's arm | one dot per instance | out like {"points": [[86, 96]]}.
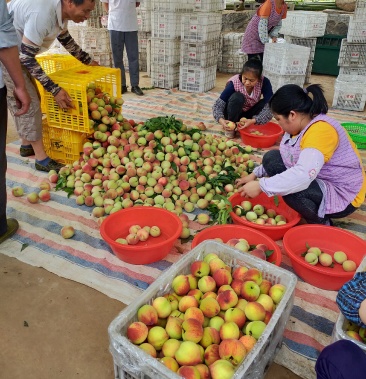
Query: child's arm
{"points": [[362, 312]]}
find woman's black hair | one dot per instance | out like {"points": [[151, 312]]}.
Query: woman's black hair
{"points": [[292, 97], [254, 65]]}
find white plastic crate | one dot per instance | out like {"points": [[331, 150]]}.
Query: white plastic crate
{"points": [[95, 40], [309, 42], [165, 25], [143, 39], [164, 75], [353, 74], [131, 362], [278, 80], [199, 54], [200, 27], [104, 59], [145, 4], [360, 10], [143, 20], [231, 42], [143, 61], [209, 5], [339, 330], [350, 95], [233, 63], [308, 71], [165, 51], [352, 54], [304, 24], [171, 5], [285, 58], [193, 79], [357, 30]]}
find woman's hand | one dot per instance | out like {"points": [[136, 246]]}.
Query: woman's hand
{"points": [[245, 179], [250, 189], [246, 123], [227, 125]]}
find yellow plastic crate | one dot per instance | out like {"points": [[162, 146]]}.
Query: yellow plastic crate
{"points": [[75, 81], [52, 63], [62, 145]]}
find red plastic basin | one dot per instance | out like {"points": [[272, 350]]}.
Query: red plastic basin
{"points": [[271, 132]]}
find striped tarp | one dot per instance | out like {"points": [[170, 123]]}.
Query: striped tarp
{"points": [[88, 260]]}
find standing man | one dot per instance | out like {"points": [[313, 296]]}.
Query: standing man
{"points": [[9, 57], [38, 24], [122, 26]]}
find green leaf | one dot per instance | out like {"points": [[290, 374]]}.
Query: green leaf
{"points": [[303, 254], [268, 253], [174, 166], [61, 183], [307, 245], [24, 245], [276, 200]]}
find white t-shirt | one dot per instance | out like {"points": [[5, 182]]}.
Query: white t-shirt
{"points": [[38, 20], [122, 15]]}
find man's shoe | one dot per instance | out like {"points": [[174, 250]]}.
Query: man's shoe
{"points": [[137, 90], [13, 226], [124, 89], [26, 151], [52, 165]]}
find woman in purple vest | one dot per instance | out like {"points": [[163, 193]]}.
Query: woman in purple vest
{"points": [[264, 25], [318, 169], [246, 95]]}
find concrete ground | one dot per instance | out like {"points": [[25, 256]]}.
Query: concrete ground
{"points": [[51, 327]]}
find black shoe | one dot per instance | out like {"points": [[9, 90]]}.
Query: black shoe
{"points": [[26, 151], [124, 89], [13, 226], [137, 91], [52, 165]]}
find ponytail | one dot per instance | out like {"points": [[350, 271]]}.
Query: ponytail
{"points": [[292, 97]]}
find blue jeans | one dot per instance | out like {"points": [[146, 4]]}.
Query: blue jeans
{"points": [[3, 163]]}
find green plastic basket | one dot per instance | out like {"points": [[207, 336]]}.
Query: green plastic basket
{"points": [[357, 133]]}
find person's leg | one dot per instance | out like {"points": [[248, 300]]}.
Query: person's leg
{"points": [[346, 212], [132, 49], [341, 360], [305, 202], [234, 107], [255, 110], [117, 46], [7, 226]]}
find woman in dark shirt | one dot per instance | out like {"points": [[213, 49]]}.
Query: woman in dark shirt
{"points": [[246, 95]]}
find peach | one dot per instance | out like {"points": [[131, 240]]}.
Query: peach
{"points": [[17, 191], [192, 330], [149, 349], [354, 335], [209, 294], [255, 311], [162, 306], [248, 342], [216, 322], [242, 303], [236, 285], [174, 327], [170, 347], [229, 330], [148, 315], [209, 307], [195, 293], [255, 329], [173, 301], [157, 336], [222, 276], [170, 363], [314, 250], [210, 336], [33, 197], [193, 282], [187, 302], [200, 269], [238, 272], [195, 313], [267, 317], [67, 232], [232, 350], [204, 371], [266, 301], [188, 353], [254, 275], [311, 258], [211, 354], [340, 257], [250, 291], [137, 332], [349, 265], [325, 260], [143, 235], [209, 257], [221, 369], [181, 285], [236, 315], [155, 231], [189, 372], [265, 286], [259, 254], [276, 292], [215, 264], [203, 219], [207, 284], [227, 299]]}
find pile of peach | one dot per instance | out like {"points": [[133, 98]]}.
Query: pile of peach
{"points": [[136, 233], [210, 321], [356, 332], [314, 255]]}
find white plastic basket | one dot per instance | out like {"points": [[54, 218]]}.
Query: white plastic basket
{"points": [[143, 20], [278, 80], [165, 51], [164, 75], [133, 363], [308, 42], [104, 59], [231, 43], [165, 25], [199, 54], [304, 24], [194, 79], [339, 330], [171, 5], [209, 5], [360, 10], [145, 5], [285, 58], [357, 30], [308, 71], [95, 40], [143, 38], [232, 64], [349, 94], [352, 54], [201, 27], [353, 74]]}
